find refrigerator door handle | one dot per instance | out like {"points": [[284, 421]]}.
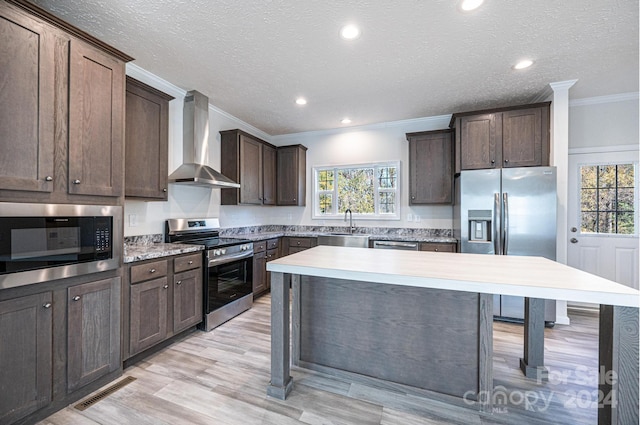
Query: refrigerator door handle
{"points": [[505, 222], [496, 224]]}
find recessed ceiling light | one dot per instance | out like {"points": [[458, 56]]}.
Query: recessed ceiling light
{"points": [[350, 32], [301, 101], [526, 63], [468, 5], [346, 121]]}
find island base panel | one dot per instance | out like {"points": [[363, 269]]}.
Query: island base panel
{"points": [[421, 337]]}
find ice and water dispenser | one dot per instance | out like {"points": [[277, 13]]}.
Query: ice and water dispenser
{"points": [[480, 225]]}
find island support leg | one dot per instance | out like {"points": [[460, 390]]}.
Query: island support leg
{"points": [[618, 374], [532, 365], [281, 381]]}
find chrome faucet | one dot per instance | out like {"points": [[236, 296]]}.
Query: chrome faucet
{"points": [[350, 220]]}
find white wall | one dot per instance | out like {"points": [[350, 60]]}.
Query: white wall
{"points": [[374, 143], [604, 121]]}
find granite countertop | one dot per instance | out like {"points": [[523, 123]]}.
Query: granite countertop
{"points": [[260, 236], [147, 251]]}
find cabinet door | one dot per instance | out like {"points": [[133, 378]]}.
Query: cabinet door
{"points": [[480, 142], [26, 103], [96, 119], [430, 169], [523, 138], [93, 331], [148, 314], [268, 175], [291, 175], [259, 273], [250, 171], [146, 142], [272, 254], [187, 299], [25, 355]]}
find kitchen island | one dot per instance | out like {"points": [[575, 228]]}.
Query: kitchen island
{"points": [[338, 292]]}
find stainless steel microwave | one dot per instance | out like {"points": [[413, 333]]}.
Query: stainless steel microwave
{"points": [[44, 242]]}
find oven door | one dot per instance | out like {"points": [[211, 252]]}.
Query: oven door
{"points": [[227, 283]]}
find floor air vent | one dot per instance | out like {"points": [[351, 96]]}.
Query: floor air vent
{"points": [[104, 393]]}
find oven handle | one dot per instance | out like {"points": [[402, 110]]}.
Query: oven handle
{"points": [[231, 258]]}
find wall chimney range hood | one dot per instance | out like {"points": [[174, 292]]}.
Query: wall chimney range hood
{"points": [[195, 145]]}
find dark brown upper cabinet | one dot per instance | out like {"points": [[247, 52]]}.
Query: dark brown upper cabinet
{"points": [[249, 161], [27, 73], [61, 110], [501, 138], [430, 167], [146, 142], [292, 175]]}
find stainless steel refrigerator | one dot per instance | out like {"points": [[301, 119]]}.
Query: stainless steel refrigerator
{"points": [[510, 211]]}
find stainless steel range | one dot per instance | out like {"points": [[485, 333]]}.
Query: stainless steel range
{"points": [[228, 271]]}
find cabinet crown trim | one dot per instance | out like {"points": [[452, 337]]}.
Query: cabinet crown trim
{"points": [[65, 26]]}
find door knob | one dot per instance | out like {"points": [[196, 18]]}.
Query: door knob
{"points": [[574, 229], [574, 240]]}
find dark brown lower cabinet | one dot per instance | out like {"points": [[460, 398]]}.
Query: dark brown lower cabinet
{"points": [[26, 338], [259, 273], [148, 314], [165, 298], [438, 246], [291, 245], [93, 331], [187, 299]]}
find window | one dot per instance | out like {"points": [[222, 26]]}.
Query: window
{"points": [[369, 191], [607, 199]]}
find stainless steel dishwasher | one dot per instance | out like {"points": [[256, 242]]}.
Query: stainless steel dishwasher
{"points": [[405, 246]]}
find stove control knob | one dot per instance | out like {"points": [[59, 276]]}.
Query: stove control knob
{"points": [[216, 252], [224, 251], [243, 248]]}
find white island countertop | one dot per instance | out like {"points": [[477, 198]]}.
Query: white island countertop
{"points": [[533, 277]]}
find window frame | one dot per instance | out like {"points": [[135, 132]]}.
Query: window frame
{"points": [[636, 194], [316, 215]]}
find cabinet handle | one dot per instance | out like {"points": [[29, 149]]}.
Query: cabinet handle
{"points": [[152, 271], [506, 161], [164, 189], [413, 197], [165, 286], [47, 305], [436, 250], [190, 262], [493, 161], [76, 181], [179, 282], [294, 199], [298, 242], [76, 298], [48, 178]]}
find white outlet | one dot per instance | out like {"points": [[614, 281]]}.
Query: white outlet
{"points": [[133, 220], [416, 218], [409, 217]]}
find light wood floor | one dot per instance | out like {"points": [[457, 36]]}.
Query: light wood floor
{"points": [[221, 377]]}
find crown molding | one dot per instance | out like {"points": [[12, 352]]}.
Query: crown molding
{"points": [[612, 98], [435, 122]]}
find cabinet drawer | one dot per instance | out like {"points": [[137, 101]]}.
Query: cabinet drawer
{"points": [[147, 271], [259, 246], [273, 243], [272, 254], [300, 242], [187, 262], [438, 247]]}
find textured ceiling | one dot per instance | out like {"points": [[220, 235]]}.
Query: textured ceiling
{"points": [[415, 58]]}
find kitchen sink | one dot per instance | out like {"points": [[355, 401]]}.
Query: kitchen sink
{"points": [[344, 239]]}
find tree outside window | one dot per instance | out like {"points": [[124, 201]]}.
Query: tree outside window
{"points": [[369, 191], [607, 199]]}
